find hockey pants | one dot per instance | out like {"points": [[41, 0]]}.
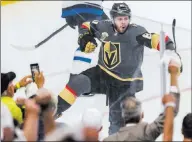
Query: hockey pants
{"points": [[95, 80]]}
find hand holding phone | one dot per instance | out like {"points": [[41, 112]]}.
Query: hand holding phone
{"points": [[39, 80]]}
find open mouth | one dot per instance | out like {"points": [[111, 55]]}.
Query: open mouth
{"points": [[123, 28]]}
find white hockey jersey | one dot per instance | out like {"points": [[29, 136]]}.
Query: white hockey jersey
{"points": [[83, 61]]}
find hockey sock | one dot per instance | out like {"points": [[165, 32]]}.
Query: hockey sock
{"points": [[65, 99]]}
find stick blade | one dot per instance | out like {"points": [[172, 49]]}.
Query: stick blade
{"points": [[174, 22], [23, 48]]}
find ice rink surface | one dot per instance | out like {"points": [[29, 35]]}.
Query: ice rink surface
{"points": [[26, 24]]}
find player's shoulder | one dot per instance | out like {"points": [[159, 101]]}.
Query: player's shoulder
{"points": [[134, 25], [138, 27], [102, 22]]}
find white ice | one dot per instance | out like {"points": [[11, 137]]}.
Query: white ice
{"points": [[27, 23]]}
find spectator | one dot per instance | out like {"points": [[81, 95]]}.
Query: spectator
{"points": [[7, 88], [88, 130], [173, 69], [7, 127], [14, 133], [187, 127], [92, 118], [30, 127], [39, 97], [68, 134], [45, 99], [135, 129], [7, 93]]}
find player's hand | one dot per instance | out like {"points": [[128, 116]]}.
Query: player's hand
{"points": [[90, 47], [87, 43]]}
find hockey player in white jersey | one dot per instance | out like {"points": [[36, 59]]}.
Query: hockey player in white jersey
{"points": [[75, 13]]}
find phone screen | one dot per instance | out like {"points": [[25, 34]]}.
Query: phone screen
{"points": [[34, 68]]}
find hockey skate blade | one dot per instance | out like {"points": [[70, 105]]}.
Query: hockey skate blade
{"points": [[23, 48]]}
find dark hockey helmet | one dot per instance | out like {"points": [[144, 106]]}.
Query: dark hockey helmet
{"points": [[120, 9]]}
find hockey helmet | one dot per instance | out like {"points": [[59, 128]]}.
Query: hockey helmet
{"points": [[120, 9]]}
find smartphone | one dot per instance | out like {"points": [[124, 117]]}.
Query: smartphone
{"points": [[34, 68]]}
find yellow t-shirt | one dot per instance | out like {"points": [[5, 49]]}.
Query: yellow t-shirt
{"points": [[13, 108]]}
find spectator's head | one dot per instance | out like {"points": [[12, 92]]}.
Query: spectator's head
{"points": [[32, 90], [7, 88], [53, 101], [92, 118], [131, 110], [187, 127]]}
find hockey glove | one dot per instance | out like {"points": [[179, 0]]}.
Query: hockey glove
{"points": [[87, 43]]}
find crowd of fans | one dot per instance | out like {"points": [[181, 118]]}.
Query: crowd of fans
{"points": [[31, 118]]}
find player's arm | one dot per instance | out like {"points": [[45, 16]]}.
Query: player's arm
{"points": [[152, 40], [87, 36]]}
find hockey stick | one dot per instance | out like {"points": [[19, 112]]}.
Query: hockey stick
{"points": [[173, 31], [40, 43]]}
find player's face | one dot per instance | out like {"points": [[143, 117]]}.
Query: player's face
{"points": [[121, 23]]}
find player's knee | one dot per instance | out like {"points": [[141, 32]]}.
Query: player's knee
{"points": [[80, 84], [77, 85]]}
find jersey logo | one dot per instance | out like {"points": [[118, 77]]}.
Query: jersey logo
{"points": [[111, 54]]}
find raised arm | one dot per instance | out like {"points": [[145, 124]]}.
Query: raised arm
{"points": [[152, 41], [171, 102]]}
